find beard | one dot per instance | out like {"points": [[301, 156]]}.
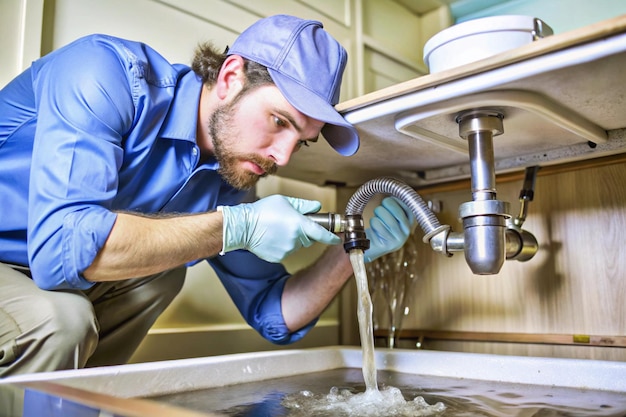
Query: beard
{"points": [[223, 134]]}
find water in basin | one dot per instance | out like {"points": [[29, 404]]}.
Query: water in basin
{"points": [[462, 397]]}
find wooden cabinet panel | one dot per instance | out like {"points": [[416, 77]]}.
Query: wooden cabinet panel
{"points": [[338, 10], [381, 71], [393, 27], [575, 285], [172, 31]]}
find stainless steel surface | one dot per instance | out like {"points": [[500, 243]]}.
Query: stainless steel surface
{"points": [[522, 245], [541, 29], [423, 214], [333, 222], [479, 128], [484, 224], [484, 218], [434, 233], [557, 95]]}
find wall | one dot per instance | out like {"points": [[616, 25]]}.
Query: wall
{"points": [[20, 35], [561, 15], [374, 33]]}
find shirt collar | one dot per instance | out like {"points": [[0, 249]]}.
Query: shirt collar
{"points": [[182, 118]]}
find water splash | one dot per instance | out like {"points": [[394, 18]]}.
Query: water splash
{"points": [[387, 402]]}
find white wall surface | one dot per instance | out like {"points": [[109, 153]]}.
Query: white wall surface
{"points": [[168, 29], [20, 36]]}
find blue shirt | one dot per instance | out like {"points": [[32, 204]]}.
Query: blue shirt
{"points": [[104, 125]]}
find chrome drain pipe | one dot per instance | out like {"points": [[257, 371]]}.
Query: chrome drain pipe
{"points": [[484, 218], [489, 235]]}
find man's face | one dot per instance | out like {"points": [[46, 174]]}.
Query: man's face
{"points": [[257, 132]]}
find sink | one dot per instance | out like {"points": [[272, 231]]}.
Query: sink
{"points": [[562, 98], [145, 382]]}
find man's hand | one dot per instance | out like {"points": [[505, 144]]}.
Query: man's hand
{"points": [[273, 227], [389, 228]]}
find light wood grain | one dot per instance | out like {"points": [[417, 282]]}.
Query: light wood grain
{"points": [[534, 338], [576, 284]]}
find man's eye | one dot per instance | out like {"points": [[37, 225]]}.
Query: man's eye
{"points": [[279, 122]]}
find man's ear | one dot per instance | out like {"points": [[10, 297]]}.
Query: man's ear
{"points": [[230, 79]]}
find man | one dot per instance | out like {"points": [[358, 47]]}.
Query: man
{"points": [[118, 170]]}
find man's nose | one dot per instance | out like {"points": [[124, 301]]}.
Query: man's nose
{"points": [[283, 148]]}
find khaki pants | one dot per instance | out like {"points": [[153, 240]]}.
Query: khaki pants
{"points": [[52, 330]]}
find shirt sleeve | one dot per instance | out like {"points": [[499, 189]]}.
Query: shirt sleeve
{"points": [[256, 287], [84, 106]]}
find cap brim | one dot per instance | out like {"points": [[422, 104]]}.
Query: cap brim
{"points": [[339, 134]]}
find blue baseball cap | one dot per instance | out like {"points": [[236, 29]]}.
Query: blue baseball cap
{"points": [[307, 65]]}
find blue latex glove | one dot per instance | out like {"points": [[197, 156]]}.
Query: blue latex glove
{"points": [[273, 227], [389, 228]]}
